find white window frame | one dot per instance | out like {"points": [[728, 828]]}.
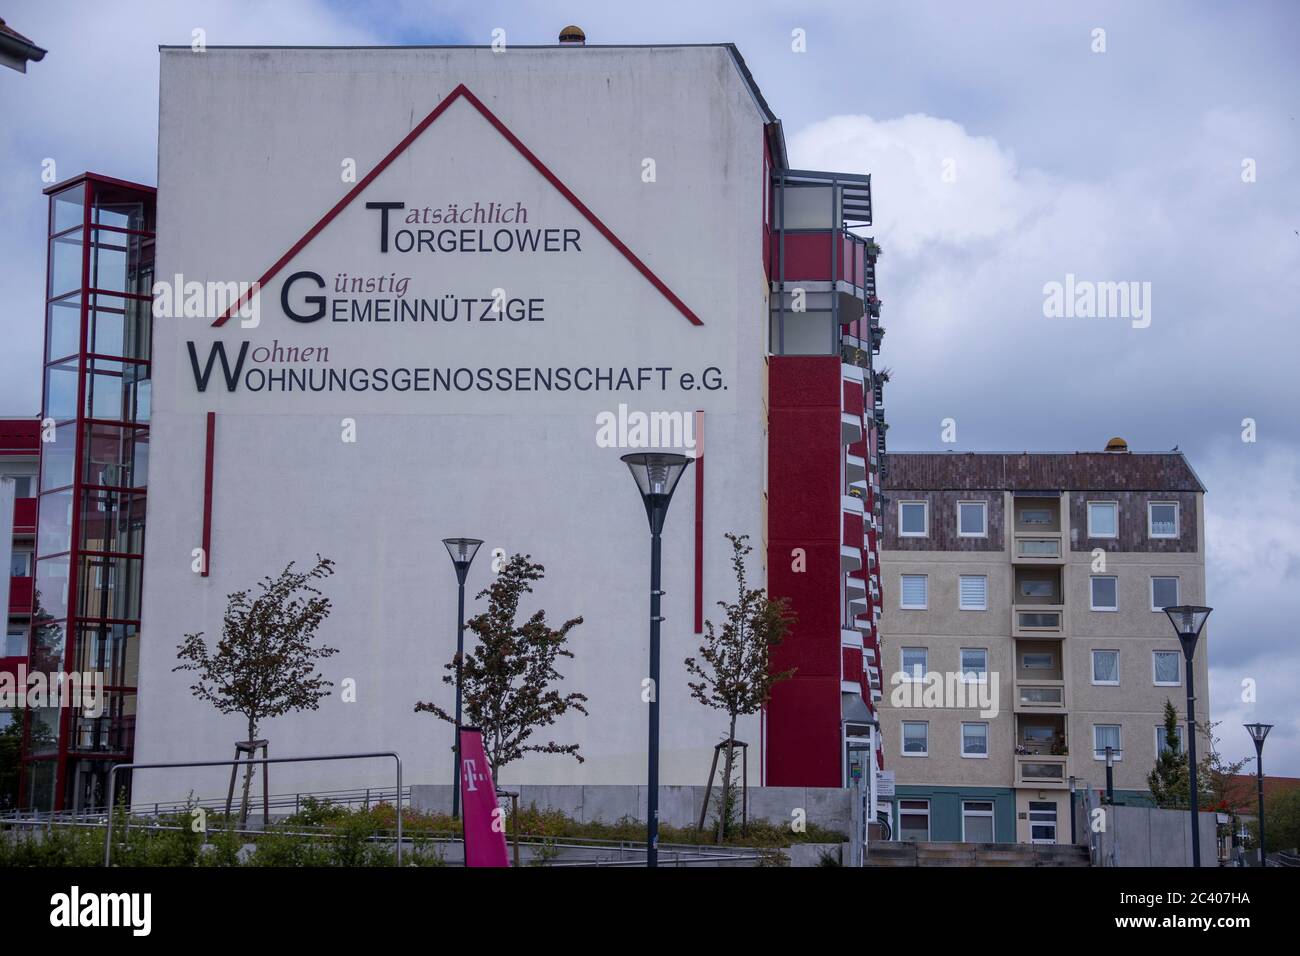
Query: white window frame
{"points": [[972, 607], [1114, 505], [991, 813], [925, 514], [1178, 526], [1092, 667], [1099, 753], [1177, 670], [1178, 590], [914, 607], [902, 738], [981, 676], [984, 520], [1092, 595], [961, 740], [902, 664], [914, 812], [1182, 738]]}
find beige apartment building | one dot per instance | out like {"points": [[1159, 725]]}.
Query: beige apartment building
{"points": [[1023, 632]]}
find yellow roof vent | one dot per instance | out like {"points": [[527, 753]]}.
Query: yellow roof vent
{"points": [[1117, 445], [572, 36]]}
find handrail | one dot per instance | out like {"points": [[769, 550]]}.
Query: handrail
{"points": [[112, 775]]}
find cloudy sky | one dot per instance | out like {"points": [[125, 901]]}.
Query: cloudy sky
{"points": [[1007, 149]]}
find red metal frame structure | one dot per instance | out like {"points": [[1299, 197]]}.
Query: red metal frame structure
{"points": [[94, 469]]}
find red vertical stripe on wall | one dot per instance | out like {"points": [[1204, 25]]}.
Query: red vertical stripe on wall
{"points": [[699, 521], [207, 492]]}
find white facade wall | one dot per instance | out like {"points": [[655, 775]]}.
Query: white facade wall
{"points": [[252, 143]]}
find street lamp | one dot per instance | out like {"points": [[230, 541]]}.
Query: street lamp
{"points": [[1110, 776], [462, 551], [1257, 733], [656, 475], [1188, 620]]}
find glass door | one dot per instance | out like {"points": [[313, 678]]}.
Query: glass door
{"points": [[1042, 822]]}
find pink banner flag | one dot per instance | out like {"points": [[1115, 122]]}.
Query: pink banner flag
{"points": [[485, 831]]}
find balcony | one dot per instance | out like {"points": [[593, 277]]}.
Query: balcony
{"points": [[1041, 771], [855, 471], [1037, 548], [1037, 620], [20, 595], [24, 516], [850, 428], [1040, 696]]}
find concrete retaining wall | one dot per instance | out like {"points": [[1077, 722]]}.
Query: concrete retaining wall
{"points": [[829, 807], [1145, 836]]}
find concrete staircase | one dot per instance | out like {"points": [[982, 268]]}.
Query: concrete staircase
{"points": [[976, 854]]}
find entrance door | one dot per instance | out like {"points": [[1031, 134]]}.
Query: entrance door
{"points": [[1042, 822]]}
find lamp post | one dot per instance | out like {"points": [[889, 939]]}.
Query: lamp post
{"points": [[656, 475], [1257, 733], [1188, 620], [1074, 830], [1110, 776], [462, 551]]}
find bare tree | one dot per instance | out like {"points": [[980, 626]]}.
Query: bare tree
{"points": [[735, 663], [506, 679], [264, 665]]}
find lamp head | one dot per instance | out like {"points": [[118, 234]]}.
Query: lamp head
{"points": [[656, 475], [462, 551]]}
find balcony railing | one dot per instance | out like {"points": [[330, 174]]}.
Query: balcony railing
{"points": [[1043, 696], [1038, 547], [1041, 771], [1033, 620]]}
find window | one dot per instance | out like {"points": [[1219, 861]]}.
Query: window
{"points": [[1103, 519], [1103, 736], [972, 519], [1036, 516], [1164, 668], [915, 661], [914, 820], [1105, 593], [1162, 519], [1105, 667], [913, 519], [973, 592], [15, 644], [974, 664], [20, 564], [22, 485], [974, 740], [1042, 822], [1037, 587], [1038, 662], [977, 821], [1162, 739], [1164, 593], [914, 592], [916, 738]]}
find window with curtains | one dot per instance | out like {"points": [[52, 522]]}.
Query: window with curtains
{"points": [[914, 591], [914, 820], [1162, 519], [1105, 667], [916, 738], [974, 740], [915, 661], [973, 592], [1165, 667], [974, 664], [1106, 735], [1162, 739], [977, 821]]}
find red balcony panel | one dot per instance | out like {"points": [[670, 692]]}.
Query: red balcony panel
{"points": [[20, 436], [20, 595], [24, 516], [853, 397], [852, 530], [861, 449], [804, 381], [808, 256], [852, 667]]}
